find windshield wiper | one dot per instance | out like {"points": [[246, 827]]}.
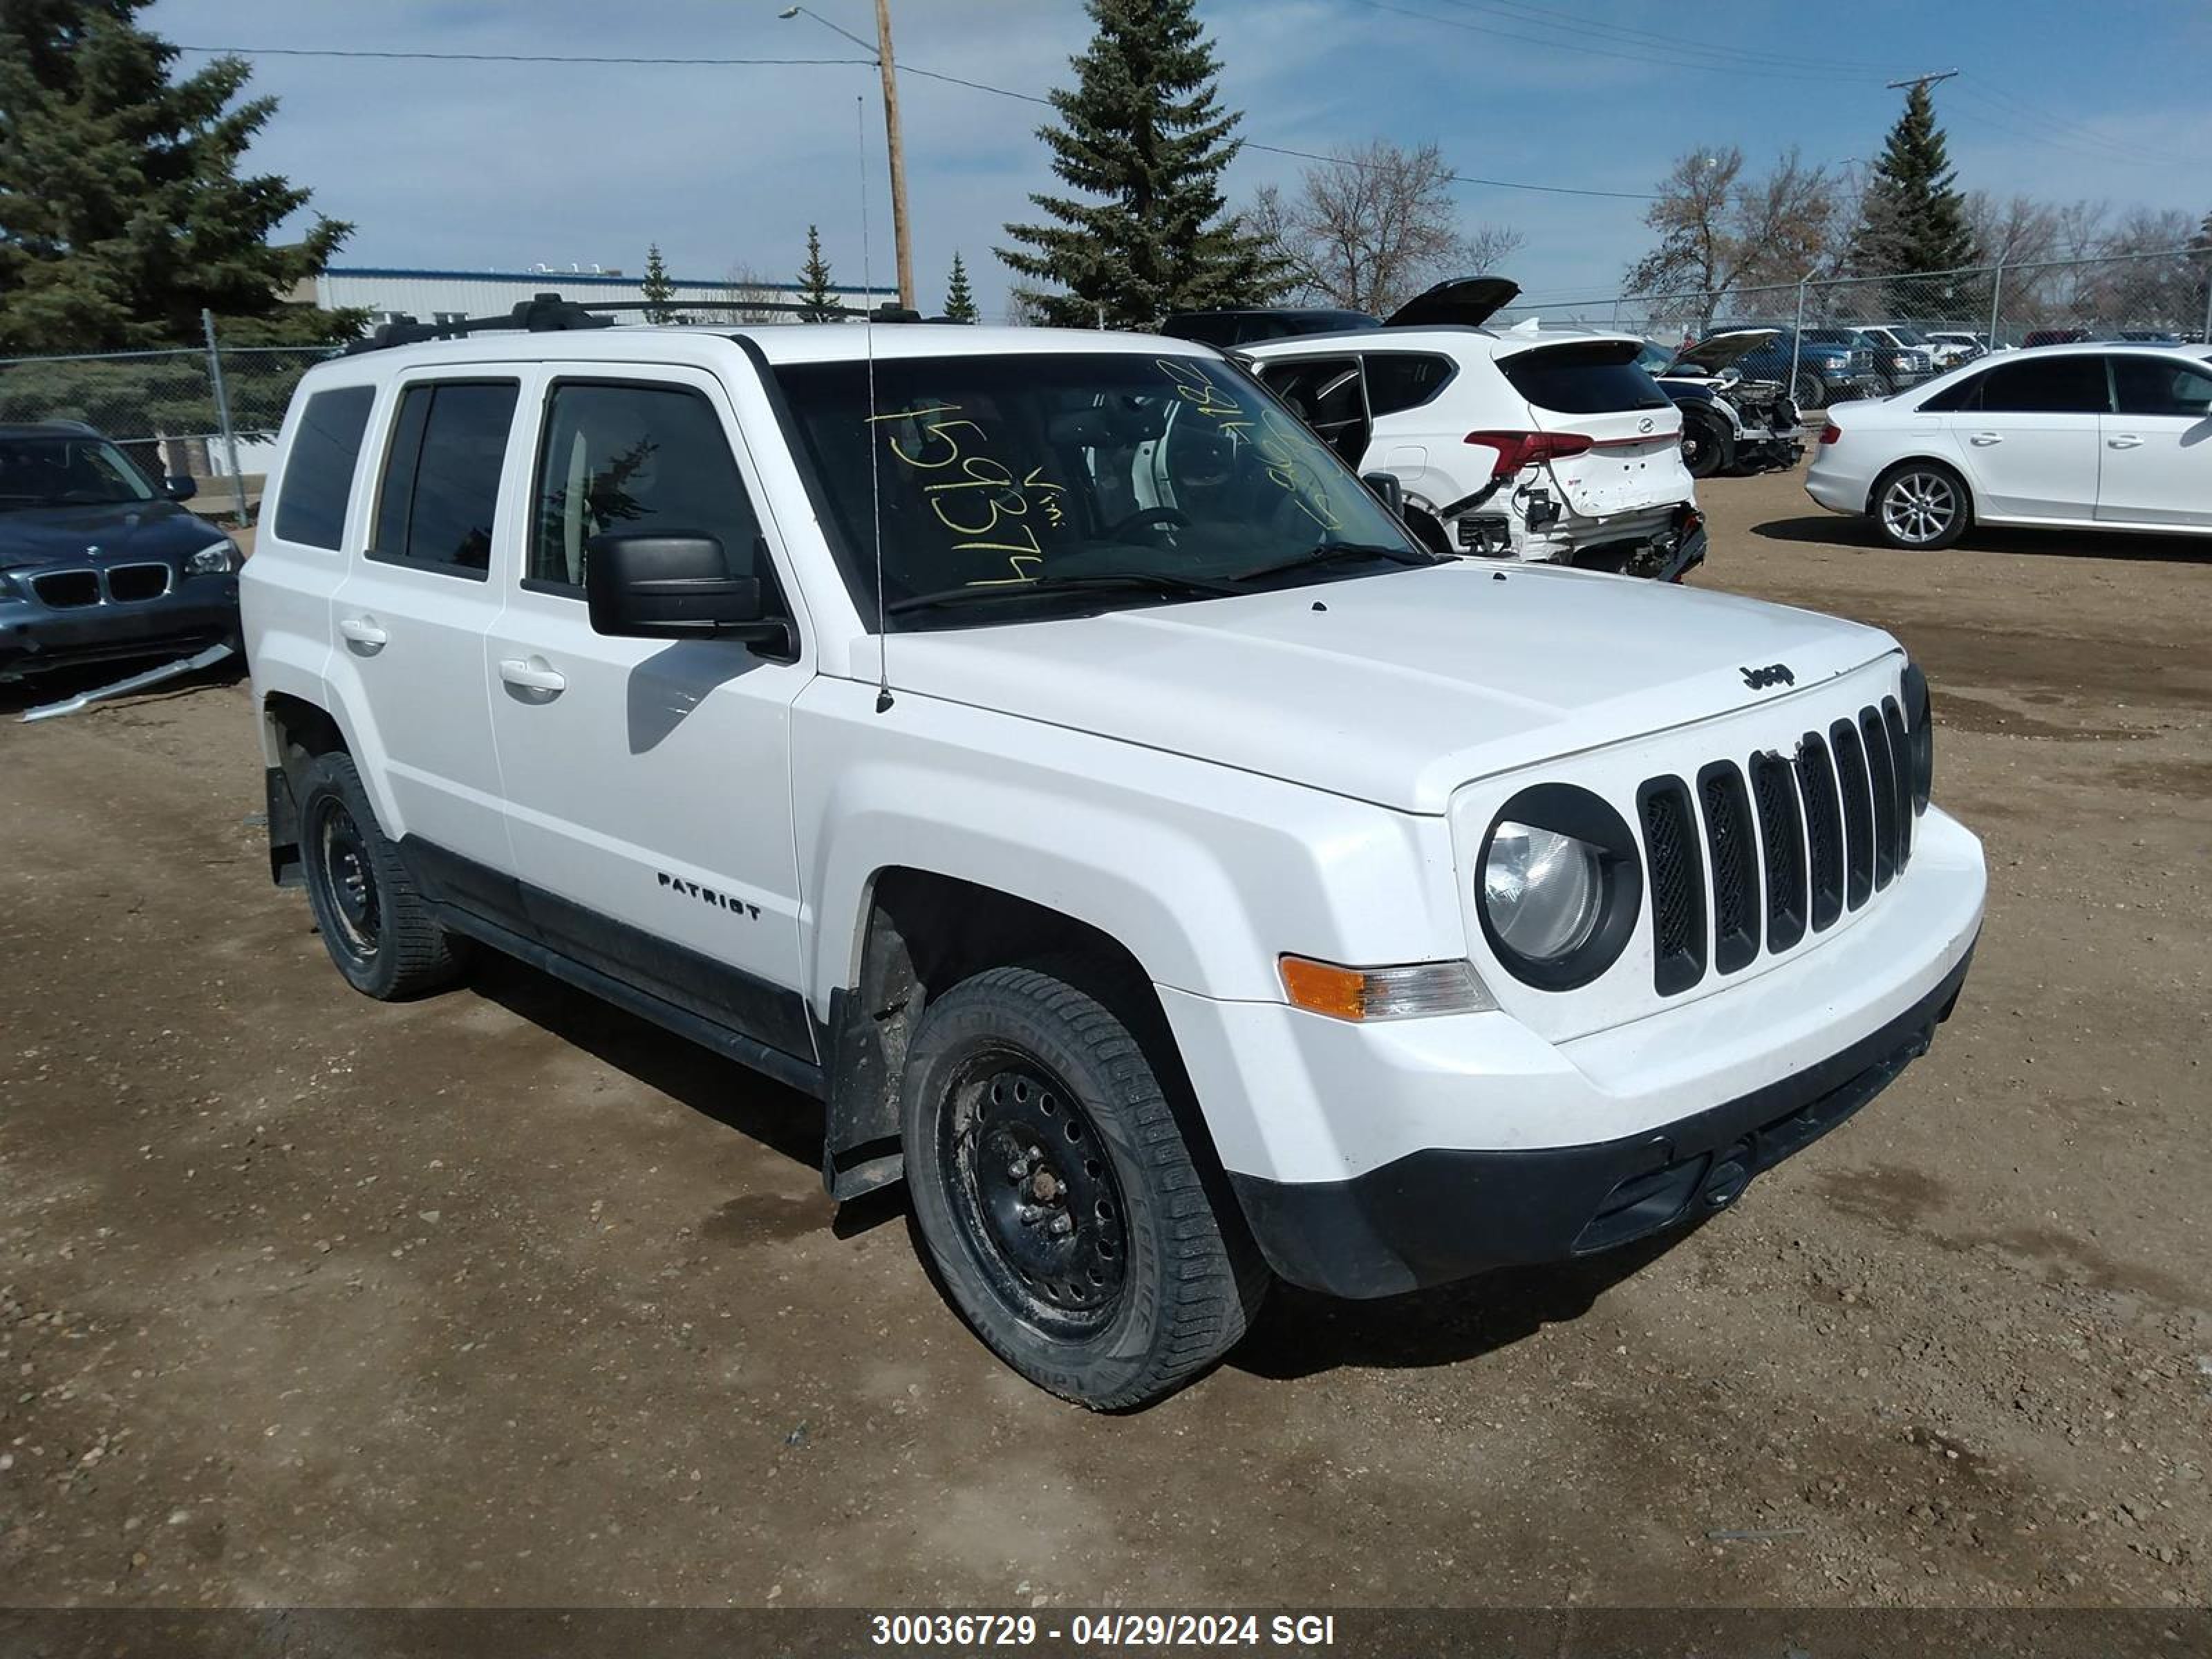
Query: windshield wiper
{"points": [[1106, 581], [1338, 553]]}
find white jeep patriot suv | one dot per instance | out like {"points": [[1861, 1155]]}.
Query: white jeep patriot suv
{"points": [[1041, 748]]}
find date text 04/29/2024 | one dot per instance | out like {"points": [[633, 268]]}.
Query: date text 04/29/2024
{"points": [[1115, 1630]]}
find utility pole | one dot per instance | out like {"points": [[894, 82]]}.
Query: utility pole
{"points": [[1922, 80], [898, 153], [889, 69]]}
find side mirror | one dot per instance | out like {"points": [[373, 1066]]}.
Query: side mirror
{"points": [[648, 586], [180, 487], [1387, 490]]}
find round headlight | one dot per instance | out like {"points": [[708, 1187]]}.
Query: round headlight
{"points": [[1541, 890], [1560, 886]]}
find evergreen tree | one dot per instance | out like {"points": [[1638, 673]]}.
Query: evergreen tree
{"points": [[959, 299], [122, 209], [657, 289], [817, 299], [1913, 219], [1142, 136]]}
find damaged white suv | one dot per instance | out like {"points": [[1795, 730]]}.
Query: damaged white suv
{"points": [[1527, 443], [1146, 850]]}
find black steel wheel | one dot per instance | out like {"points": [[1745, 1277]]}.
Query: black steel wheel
{"points": [[1035, 1199], [380, 933], [1708, 445], [1081, 1231]]}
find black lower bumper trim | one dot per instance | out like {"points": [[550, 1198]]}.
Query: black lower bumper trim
{"points": [[1435, 1216]]}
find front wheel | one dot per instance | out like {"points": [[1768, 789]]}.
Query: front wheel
{"points": [[1921, 505], [1708, 445], [380, 933], [1069, 1217]]}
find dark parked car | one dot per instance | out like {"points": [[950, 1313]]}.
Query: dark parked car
{"points": [[1471, 300], [97, 562], [2044, 336], [1731, 422], [1831, 364]]}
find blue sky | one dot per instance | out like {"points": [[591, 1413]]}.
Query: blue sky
{"points": [[488, 165]]}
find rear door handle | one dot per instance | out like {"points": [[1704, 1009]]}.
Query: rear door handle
{"points": [[1983, 439], [2125, 441], [532, 675], [363, 630]]}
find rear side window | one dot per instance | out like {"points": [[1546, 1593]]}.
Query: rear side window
{"points": [[634, 457], [1400, 380], [2159, 386], [1966, 394], [442, 479], [1587, 377], [2047, 386], [311, 503]]}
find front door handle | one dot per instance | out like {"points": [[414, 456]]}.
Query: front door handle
{"points": [[2125, 441], [363, 630], [1983, 439], [533, 674]]}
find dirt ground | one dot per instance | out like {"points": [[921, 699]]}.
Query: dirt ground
{"points": [[504, 1297]]}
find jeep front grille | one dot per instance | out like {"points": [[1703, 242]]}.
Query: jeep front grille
{"points": [[1775, 848]]}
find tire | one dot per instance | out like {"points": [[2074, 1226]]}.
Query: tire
{"points": [[1806, 392], [1069, 1220], [1921, 505], [380, 933], [1708, 445]]}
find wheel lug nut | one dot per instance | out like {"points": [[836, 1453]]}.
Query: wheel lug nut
{"points": [[1061, 1226]]}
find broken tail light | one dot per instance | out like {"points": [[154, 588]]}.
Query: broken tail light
{"points": [[1518, 449]]}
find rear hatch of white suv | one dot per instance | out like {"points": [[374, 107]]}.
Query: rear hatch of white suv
{"points": [[1610, 438]]}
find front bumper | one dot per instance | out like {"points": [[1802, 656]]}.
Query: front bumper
{"points": [[1435, 1216], [198, 612], [1409, 1126]]}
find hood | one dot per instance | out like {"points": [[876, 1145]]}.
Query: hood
{"points": [[1469, 299], [1717, 351], [1395, 688], [62, 535]]}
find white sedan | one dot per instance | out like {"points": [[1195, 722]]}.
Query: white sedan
{"points": [[2108, 436]]}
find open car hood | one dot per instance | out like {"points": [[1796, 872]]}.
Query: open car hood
{"points": [[1717, 351], [1468, 300]]}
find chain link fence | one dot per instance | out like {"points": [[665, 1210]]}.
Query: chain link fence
{"points": [[210, 411], [1911, 327]]}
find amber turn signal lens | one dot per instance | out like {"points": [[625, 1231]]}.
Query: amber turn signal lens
{"points": [[1363, 994]]}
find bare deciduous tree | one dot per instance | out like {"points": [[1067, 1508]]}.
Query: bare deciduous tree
{"points": [[1721, 231], [1372, 227], [750, 296]]}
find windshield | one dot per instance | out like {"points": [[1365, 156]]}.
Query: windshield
{"points": [[67, 472], [1115, 479]]}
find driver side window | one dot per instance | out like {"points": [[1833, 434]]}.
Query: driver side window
{"points": [[626, 457]]}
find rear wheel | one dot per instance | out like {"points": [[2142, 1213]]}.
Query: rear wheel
{"points": [[1708, 445], [1921, 505], [1069, 1218], [1806, 392], [381, 933]]}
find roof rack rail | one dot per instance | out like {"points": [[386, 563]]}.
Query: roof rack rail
{"points": [[549, 313]]}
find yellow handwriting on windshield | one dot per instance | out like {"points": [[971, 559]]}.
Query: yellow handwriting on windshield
{"points": [[979, 500], [1280, 443]]}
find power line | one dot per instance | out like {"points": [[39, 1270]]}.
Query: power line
{"points": [[1571, 23], [1647, 58], [506, 57], [904, 69]]}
